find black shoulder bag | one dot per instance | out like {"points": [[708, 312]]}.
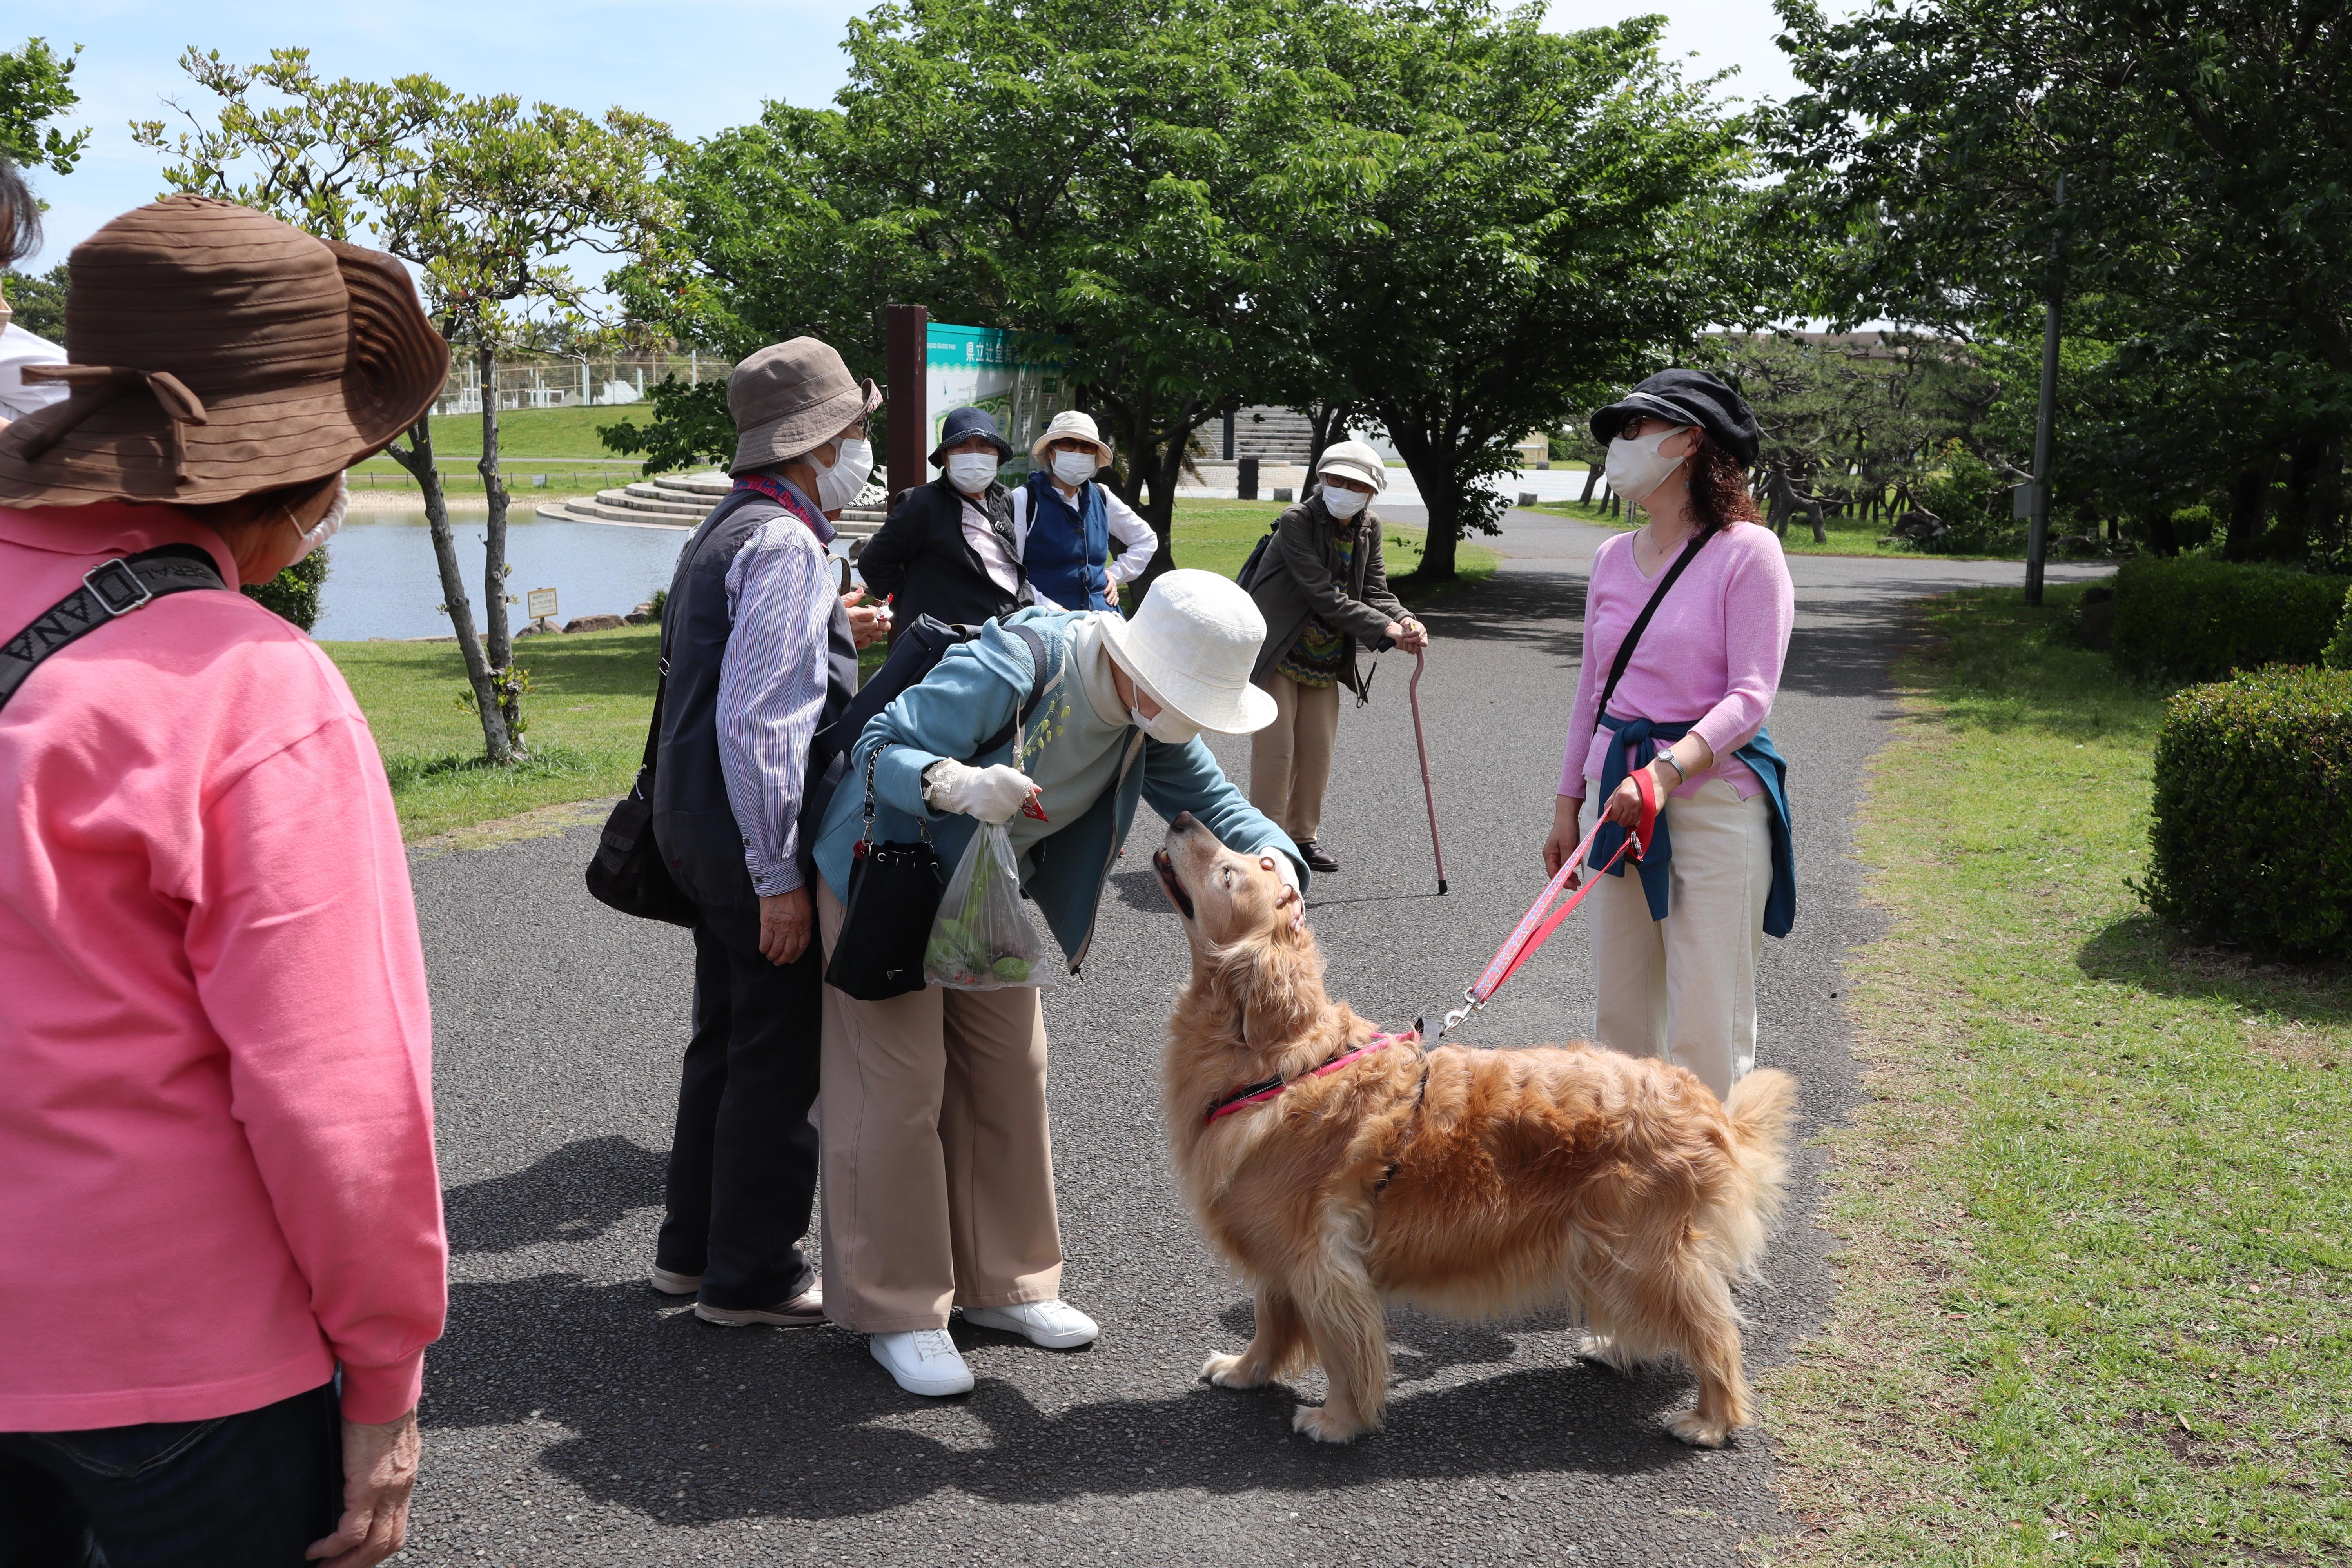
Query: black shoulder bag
{"points": [[894, 891], [627, 872], [109, 590]]}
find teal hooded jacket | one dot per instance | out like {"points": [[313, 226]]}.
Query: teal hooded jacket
{"points": [[973, 692]]}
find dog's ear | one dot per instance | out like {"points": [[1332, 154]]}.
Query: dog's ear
{"points": [[1277, 983]]}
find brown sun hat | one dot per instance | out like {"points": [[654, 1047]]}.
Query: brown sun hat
{"points": [[215, 351], [790, 397]]}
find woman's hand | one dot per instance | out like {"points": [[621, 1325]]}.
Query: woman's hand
{"points": [[868, 624], [1561, 842], [379, 1471], [1408, 634], [1110, 590]]}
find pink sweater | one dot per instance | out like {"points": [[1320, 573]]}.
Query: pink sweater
{"points": [[1711, 657], [216, 1177]]}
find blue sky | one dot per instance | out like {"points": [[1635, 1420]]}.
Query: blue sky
{"points": [[701, 66]]}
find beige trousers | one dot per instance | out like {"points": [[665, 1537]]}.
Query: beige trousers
{"points": [[939, 1172], [1684, 988], [1290, 759]]}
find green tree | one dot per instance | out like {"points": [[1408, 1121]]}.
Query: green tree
{"points": [[2205, 151], [36, 87], [480, 194], [38, 300]]}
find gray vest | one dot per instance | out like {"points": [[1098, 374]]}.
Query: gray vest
{"points": [[692, 821]]}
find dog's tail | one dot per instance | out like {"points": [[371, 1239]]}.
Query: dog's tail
{"points": [[1761, 1106]]}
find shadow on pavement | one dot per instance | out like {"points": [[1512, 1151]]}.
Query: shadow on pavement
{"points": [[701, 1423], [580, 1191]]}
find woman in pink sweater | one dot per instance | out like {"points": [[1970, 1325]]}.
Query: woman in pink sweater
{"points": [[1674, 946], [221, 1250]]}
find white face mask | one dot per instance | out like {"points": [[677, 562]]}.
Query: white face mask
{"points": [[839, 485], [1075, 467], [1635, 468], [1170, 726], [318, 532], [1343, 503], [972, 472]]}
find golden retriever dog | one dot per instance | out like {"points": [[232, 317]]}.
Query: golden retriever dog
{"points": [[1468, 1183]]}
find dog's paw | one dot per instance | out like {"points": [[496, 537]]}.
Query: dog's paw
{"points": [[1698, 1432], [1317, 1422], [1604, 1350], [1232, 1371]]}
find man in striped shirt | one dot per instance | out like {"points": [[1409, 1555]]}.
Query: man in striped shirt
{"points": [[760, 652]]}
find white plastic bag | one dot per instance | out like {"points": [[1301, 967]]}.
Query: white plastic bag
{"points": [[984, 938]]}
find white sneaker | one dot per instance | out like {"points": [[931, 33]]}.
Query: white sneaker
{"points": [[670, 1283], [1050, 1325], [924, 1361]]}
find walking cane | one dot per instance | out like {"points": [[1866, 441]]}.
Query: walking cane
{"points": [[1429, 794]]}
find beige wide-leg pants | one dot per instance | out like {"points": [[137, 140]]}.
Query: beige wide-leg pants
{"points": [[1684, 988], [938, 1171], [1290, 759]]}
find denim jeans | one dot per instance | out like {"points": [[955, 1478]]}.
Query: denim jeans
{"points": [[251, 1490]]}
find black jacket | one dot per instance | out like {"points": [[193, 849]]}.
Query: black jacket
{"points": [[921, 556]]}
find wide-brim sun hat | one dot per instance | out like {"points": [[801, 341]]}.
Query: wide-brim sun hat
{"points": [[1356, 460], [214, 352], [1687, 397], [792, 397], [1071, 425], [962, 425], [1192, 645]]}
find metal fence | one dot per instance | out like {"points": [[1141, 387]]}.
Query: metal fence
{"points": [[572, 381]]}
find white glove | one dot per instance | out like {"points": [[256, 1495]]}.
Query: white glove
{"points": [[985, 795]]}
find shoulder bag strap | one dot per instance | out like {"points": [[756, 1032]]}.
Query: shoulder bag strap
{"points": [[1641, 624], [109, 590]]}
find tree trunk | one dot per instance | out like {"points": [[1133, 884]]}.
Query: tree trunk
{"points": [[1329, 422], [2249, 499], [1591, 477], [2314, 480], [497, 741], [500, 648]]}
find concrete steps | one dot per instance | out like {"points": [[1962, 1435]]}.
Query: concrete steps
{"points": [[680, 501]]}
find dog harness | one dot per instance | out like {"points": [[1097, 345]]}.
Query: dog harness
{"points": [[1251, 1094]]}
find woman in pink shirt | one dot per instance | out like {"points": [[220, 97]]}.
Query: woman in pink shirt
{"points": [[221, 1250], [1674, 945]]}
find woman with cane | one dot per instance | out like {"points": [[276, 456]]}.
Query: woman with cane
{"points": [[1686, 627]]}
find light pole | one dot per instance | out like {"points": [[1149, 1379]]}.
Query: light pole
{"points": [[2045, 419]]}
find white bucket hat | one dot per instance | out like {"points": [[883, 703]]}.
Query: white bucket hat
{"points": [[1071, 424], [1357, 461], [1192, 645]]}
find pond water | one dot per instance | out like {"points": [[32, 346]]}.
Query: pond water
{"points": [[382, 582]]}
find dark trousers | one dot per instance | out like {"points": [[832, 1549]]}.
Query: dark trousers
{"points": [[237, 1491], [742, 1160]]}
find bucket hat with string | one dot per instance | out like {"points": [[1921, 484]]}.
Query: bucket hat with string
{"points": [[214, 352]]}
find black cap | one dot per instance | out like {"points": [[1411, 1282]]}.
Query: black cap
{"points": [[1686, 397], [962, 425]]}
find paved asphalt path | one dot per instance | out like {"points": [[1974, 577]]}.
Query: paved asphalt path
{"points": [[572, 1417]]}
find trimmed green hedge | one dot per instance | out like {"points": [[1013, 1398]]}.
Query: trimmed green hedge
{"points": [[294, 593], [2253, 833], [2200, 620], [2339, 653]]}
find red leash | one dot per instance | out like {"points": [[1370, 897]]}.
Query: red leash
{"points": [[1535, 928], [1255, 1092]]}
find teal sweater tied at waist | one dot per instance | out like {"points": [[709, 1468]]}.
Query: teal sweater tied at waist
{"points": [[1637, 743]]}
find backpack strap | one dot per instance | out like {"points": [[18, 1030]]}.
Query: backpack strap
{"points": [[109, 590], [1028, 710]]}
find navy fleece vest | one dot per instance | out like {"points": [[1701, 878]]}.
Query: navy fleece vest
{"points": [[1067, 549]]}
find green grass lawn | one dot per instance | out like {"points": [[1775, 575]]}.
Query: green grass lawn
{"points": [[1847, 536], [590, 693], [2095, 1207], [561, 441]]}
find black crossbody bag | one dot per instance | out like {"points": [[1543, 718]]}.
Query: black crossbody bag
{"points": [[109, 590], [894, 891]]}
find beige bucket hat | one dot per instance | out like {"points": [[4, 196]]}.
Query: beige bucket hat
{"points": [[790, 397], [215, 351], [1070, 425], [1355, 460], [1192, 645]]}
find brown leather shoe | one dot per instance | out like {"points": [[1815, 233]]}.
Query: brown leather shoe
{"points": [[1318, 859], [805, 1311]]}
